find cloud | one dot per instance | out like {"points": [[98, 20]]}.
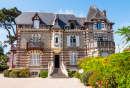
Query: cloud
{"points": [[67, 11], [125, 24], [3, 31]]}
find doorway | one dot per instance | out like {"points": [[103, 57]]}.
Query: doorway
{"points": [[57, 61]]}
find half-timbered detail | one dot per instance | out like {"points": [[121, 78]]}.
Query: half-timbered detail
{"points": [[48, 41]]}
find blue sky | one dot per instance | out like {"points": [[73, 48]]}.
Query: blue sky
{"points": [[118, 11]]}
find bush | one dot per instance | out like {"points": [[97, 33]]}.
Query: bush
{"points": [[43, 74], [70, 73], [6, 73], [77, 74], [84, 78], [14, 74], [4, 67], [24, 73]]}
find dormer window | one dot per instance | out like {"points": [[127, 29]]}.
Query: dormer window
{"points": [[99, 26], [36, 21], [72, 25], [36, 24], [56, 23]]}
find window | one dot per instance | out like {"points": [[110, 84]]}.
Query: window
{"points": [[104, 54], [99, 26], [99, 39], [36, 24], [35, 38], [72, 41], [35, 59], [56, 23], [56, 40], [72, 26], [73, 58]]}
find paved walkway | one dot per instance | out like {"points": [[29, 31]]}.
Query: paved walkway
{"points": [[6, 82]]}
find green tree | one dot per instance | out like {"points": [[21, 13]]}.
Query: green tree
{"points": [[1, 50], [125, 32], [7, 17]]}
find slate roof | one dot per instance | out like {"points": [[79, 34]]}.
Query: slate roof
{"points": [[49, 18], [95, 13], [26, 18], [56, 27]]}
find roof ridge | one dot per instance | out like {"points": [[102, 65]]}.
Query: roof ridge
{"points": [[64, 13], [38, 12]]}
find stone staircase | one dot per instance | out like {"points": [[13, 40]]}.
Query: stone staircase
{"points": [[57, 73]]}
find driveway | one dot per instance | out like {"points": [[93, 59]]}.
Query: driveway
{"points": [[6, 82]]}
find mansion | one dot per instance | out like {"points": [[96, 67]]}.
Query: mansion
{"points": [[47, 40]]}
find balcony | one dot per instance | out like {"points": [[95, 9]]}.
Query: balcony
{"points": [[34, 45], [101, 44], [13, 47]]}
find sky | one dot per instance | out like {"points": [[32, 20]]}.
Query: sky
{"points": [[118, 11]]}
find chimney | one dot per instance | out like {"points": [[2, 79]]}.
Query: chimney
{"points": [[104, 13]]}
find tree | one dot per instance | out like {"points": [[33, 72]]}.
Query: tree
{"points": [[1, 51], [125, 32], [7, 17]]}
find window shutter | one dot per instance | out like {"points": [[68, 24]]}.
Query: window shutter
{"points": [[71, 58], [77, 41], [75, 58], [68, 40]]}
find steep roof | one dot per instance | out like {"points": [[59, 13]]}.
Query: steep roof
{"points": [[26, 18], [95, 13]]}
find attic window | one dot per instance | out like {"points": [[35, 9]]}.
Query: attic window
{"points": [[36, 24], [56, 23], [72, 26]]}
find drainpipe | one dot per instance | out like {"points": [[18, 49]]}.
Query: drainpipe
{"points": [[86, 43]]}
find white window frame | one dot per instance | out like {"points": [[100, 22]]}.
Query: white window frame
{"points": [[36, 24], [35, 38], [35, 59], [73, 58]]}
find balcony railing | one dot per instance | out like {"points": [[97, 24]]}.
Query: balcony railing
{"points": [[13, 47], [101, 44], [34, 45]]}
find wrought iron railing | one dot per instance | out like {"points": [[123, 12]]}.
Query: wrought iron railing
{"points": [[34, 45]]}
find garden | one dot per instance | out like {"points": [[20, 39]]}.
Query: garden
{"points": [[105, 72]]}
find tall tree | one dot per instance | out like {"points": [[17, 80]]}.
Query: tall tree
{"points": [[125, 32], [7, 17]]}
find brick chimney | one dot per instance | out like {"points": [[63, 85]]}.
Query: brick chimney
{"points": [[104, 13]]}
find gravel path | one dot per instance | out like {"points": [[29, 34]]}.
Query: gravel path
{"points": [[40, 83]]}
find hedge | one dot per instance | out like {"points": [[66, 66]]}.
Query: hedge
{"points": [[6, 73], [44, 74], [4, 67], [14, 74]]}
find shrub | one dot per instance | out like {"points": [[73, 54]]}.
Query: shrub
{"points": [[77, 75], [24, 73], [6, 73], [43, 74], [4, 67], [84, 78], [70, 73], [14, 74]]}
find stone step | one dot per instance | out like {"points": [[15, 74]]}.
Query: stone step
{"points": [[57, 73]]}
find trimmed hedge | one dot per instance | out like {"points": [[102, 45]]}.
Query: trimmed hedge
{"points": [[77, 74], [14, 74], [6, 73], [43, 74], [70, 73], [85, 77]]}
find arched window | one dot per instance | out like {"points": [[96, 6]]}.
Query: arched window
{"points": [[72, 25], [35, 59]]}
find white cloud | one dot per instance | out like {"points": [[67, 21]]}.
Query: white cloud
{"points": [[125, 24], [67, 11], [3, 31]]}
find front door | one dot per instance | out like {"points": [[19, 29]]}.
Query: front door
{"points": [[56, 61]]}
